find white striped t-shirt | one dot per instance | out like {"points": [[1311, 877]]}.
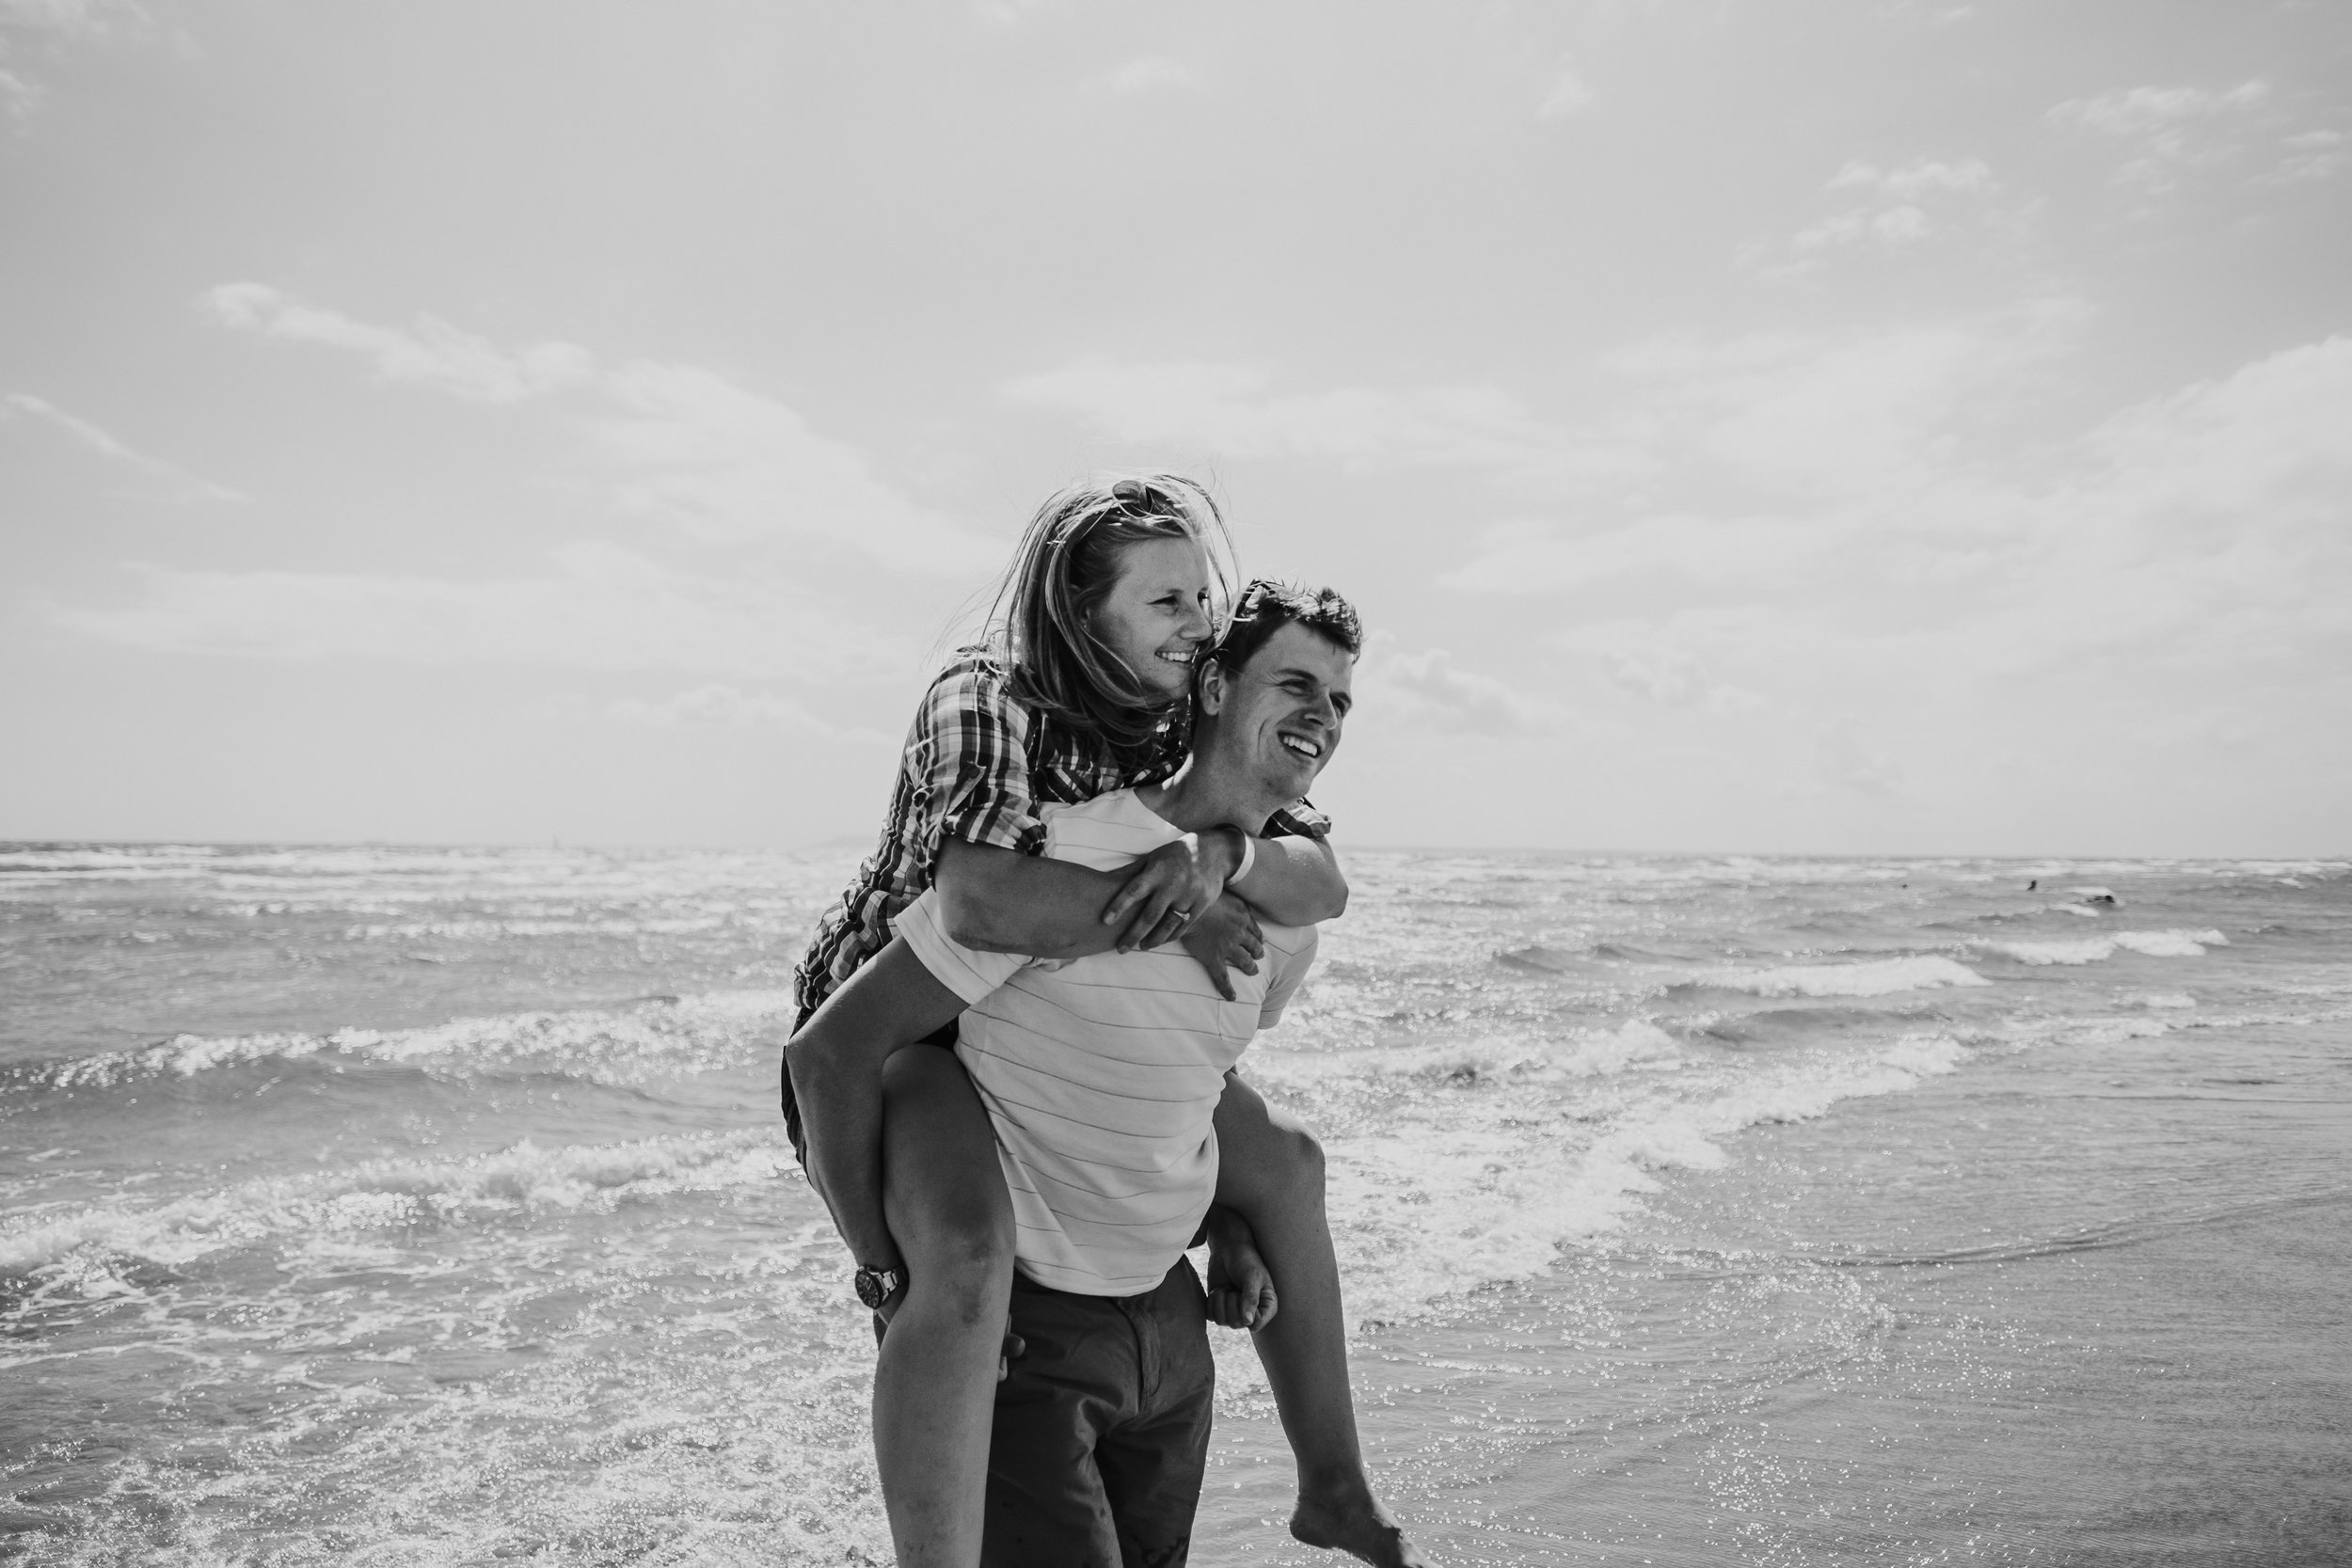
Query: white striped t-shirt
{"points": [[1101, 1074]]}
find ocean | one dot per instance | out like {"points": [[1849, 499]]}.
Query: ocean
{"points": [[372, 1205]]}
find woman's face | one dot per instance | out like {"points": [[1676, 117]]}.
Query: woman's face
{"points": [[1156, 615]]}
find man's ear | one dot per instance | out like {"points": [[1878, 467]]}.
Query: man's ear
{"points": [[1211, 685]]}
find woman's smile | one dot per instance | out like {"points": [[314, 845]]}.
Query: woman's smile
{"points": [[1155, 617]]}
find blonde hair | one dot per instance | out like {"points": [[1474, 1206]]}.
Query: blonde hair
{"points": [[1039, 621]]}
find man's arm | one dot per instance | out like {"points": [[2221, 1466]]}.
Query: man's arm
{"points": [[836, 1063]]}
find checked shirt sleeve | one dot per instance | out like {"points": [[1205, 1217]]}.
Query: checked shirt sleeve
{"points": [[968, 762], [1300, 820]]}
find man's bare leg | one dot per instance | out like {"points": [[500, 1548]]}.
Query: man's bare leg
{"points": [[1270, 1170], [935, 1383]]}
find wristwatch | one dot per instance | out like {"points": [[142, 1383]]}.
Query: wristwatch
{"points": [[876, 1286]]}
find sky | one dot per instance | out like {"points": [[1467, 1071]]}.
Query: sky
{"points": [[1795, 428]]}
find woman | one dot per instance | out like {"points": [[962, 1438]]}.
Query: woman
{"points": [[1081, 688]]}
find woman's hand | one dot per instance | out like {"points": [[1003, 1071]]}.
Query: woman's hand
{"points": [[1225, 938], [1172, 887]]}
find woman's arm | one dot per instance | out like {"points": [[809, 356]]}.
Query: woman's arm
{"points": [[1295, 880], [836, 1063], [1000, 901]]}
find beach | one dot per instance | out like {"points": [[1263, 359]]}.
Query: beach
{"points": [[383, 1204]]}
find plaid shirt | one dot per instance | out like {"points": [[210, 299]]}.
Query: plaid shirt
{"points": [[977, 765]]}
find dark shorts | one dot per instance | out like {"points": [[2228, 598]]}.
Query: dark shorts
{"points": [[943, 1036], [1101, 1429]]}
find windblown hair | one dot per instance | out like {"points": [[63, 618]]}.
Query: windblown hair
{"points": [[1039, 623], [1265, 607]]}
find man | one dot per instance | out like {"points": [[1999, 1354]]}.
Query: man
{"points": [[1101, 1077]]}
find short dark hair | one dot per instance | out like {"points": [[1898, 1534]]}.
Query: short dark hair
{"points": [[1265, 607]]}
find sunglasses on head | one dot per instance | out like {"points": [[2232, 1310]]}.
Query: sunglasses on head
{"points": [[1139, 495]]}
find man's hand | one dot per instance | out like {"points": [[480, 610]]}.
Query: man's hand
{"points": [[1224, 938], [1012, 1350], [1241, 1290], [1172, 886]]}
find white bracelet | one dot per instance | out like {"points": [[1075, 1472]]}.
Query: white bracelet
{"points": [[1248, 859]]}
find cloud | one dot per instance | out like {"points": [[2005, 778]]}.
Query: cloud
{"points": [[1892, 209], [1429, 691], [1673, 677], [2145, 111], [761, 569], [602, 608], [1009, 13], [1745, 552], [1845, 760], [718, 706], [690, 448], [1786, 411], [1567, 95], [2191, 548], [1917, 180], [677, 443], [1155, 74], [178, 482], [1840, 412], [48, 27], [2170, 131], [432, 354], [1235, 410], [2309, 155]]}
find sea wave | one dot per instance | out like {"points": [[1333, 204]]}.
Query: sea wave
{"points": [[659, 1035], [1876, 978], [1546, 960], [395, 1193], [2087, 950], [1549, 1057], [1429, 1207]]}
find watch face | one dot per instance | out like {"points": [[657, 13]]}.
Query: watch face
{"points": [[873, 1288]]}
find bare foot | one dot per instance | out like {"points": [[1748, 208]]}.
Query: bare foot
{"points": [[1357, 1526]]}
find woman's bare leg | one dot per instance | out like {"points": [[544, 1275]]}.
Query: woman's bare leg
{"points": [[1270, 1170], [935, 1383]]}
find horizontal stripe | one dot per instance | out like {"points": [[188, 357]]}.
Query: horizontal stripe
{"points": [[1102, 1075]]}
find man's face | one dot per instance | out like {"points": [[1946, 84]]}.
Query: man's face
{"points": [[1280, 715]]}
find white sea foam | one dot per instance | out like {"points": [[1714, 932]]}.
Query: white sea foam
{"points": [[1486, 1185], [389, 1193], [2084, 951], [2171, 944], [1927, 1055], [1523, 1058], [2088, 950], [614, 1046], [1874, 977]]}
